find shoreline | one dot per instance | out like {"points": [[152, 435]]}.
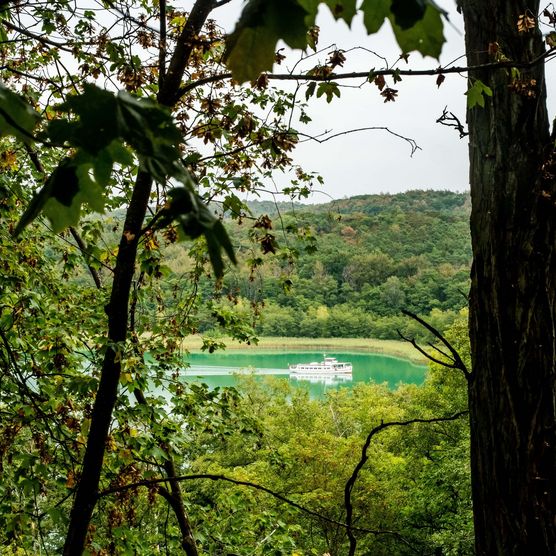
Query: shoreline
{"points": [[394, 348]]}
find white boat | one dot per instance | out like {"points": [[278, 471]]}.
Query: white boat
{"points": [[330, 367]]}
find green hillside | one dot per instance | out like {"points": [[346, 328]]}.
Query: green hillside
{"points": [[346, 268]]}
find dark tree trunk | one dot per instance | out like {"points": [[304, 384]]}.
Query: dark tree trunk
{"points": [[512, 304], [118, 319], [86, 495]]}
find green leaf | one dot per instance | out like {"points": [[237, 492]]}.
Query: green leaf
{"points": [[196, 219], [374, 14], [476, 94], [341, 9], [61, 216], [223, 239], [90, 191], [17, 117], [120, 154], [214, 254], [102, 167], [250, 49], [150, 130], [344, 9], [40, 198], [65, 183], [97, 126], [426, 36], [60, 199], [329, 89]]}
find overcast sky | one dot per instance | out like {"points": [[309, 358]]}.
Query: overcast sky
{"points": [[375, 161]]}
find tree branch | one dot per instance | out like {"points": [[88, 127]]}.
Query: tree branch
{"points": [[364, 457], [214, 477], [169, 94], [174, 496], [371, 74], [412, 143], [118, 307], [43, 40], [449, 119], [413, 342], [162, 45], [83, 248], [457, 362], [106, 396]]}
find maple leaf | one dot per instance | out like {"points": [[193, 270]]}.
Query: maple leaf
{"points": [[389, 94]]}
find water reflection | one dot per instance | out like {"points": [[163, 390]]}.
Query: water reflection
{"points": [[328, 380]]}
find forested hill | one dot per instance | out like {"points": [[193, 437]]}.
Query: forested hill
{"points": [[424, 201], [375, 254]]}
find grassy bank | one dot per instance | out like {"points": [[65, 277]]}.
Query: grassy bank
{"points": [[388, 347]]}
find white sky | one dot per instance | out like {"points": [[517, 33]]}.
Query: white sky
{"points": [[374, 161]]}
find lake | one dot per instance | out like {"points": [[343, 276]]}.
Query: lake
{"points": [[218, 369]]}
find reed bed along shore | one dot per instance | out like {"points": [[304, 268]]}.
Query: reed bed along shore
{"points": [[394, 348]]}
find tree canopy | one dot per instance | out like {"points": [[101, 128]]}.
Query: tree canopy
{"points": [[138, 111]]}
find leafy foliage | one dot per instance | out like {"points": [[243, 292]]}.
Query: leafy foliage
{"points": [[352, 265], [250, 48], [69, 150], [16, 116], [306, 448]]}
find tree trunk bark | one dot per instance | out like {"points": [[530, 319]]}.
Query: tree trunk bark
{"points": [[512, 302], [105, 400], [118, 308]]}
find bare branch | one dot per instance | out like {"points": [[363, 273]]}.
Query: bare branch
{"points": [[457, 361], [322, 139], [84, 251], [449, 119], [423, 352], [364, 457]]}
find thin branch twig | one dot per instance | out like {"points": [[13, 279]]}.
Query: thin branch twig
{"points": [[457, 362], [376, 72]]}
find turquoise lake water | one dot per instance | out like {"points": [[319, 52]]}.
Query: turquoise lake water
{"points": [[220, 368]]}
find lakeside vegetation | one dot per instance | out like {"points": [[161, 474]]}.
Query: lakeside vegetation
{"points": [[411, 497], [395, 348]]}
